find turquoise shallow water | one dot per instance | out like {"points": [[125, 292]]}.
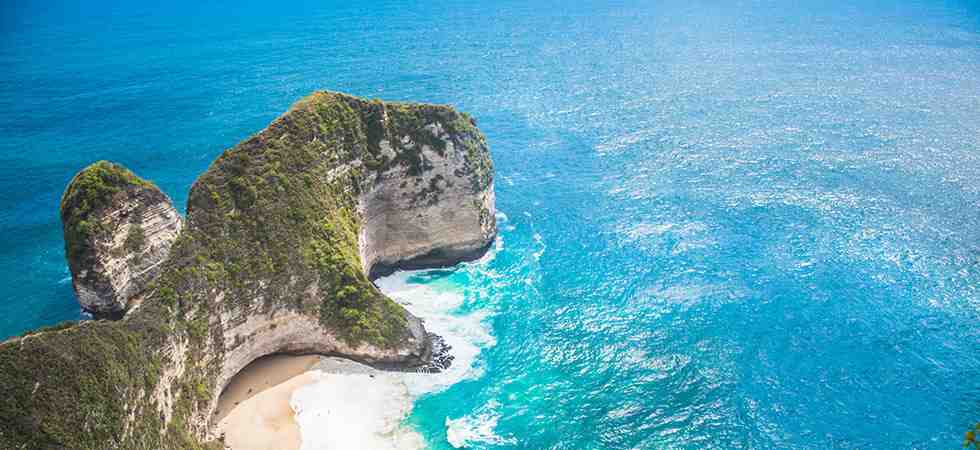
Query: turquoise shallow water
{"points": [[750, 224]]}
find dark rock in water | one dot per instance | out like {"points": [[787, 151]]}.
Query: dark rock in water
{"points": [[442, 359], [438, 360]]}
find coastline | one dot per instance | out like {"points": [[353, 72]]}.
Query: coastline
{"points": [[333, 402], [319, 402]]}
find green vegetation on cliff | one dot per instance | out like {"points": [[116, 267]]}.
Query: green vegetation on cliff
{"points": [[92, 189], [86, 386]]}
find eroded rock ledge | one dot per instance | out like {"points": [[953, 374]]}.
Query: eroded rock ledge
{"points": [[283, 234]]}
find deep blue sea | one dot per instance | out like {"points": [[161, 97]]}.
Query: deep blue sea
{"points": [[742, 224]]}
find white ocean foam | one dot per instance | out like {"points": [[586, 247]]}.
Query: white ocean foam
{"points": [[437, 306], [479, 427], [347, 411], [498, 245], [538, 239]]}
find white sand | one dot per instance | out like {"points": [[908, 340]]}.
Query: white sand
{"points": [[253, 411]]}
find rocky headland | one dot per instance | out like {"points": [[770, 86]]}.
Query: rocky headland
{"points": [[283, 235], [118, 231]]}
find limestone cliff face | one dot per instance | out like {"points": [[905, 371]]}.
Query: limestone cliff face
{"points": [[118, 231], [283, 233], [437, 212]]}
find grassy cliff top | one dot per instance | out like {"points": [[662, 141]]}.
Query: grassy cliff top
{"points": [[90, 190], [93, 187]]}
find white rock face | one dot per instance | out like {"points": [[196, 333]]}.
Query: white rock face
{"points": [[437, 218], [138, 231]]}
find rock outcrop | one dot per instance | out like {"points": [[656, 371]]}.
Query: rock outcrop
{"points": [[283, 235], [427, 213], [118, 231]]}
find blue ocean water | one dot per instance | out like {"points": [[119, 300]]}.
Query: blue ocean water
{"points": [[744, 224]]}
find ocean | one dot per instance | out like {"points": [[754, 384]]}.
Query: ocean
{"points": [[723, 224]]}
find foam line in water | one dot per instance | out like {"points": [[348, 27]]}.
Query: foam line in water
{"points": [[479, 427], [366, 408]]}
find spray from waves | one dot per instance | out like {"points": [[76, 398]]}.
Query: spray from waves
{"points": [[476, 428], [438, 304], [367, 410]]}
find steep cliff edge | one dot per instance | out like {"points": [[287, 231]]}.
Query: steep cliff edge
{"points": [[118, 231], [283, 232]]}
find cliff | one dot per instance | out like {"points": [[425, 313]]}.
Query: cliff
{"points": [[283, 233], [118, 231]]}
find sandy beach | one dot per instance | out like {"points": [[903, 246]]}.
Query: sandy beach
{"points": [[253, 411], [338, 403]]}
